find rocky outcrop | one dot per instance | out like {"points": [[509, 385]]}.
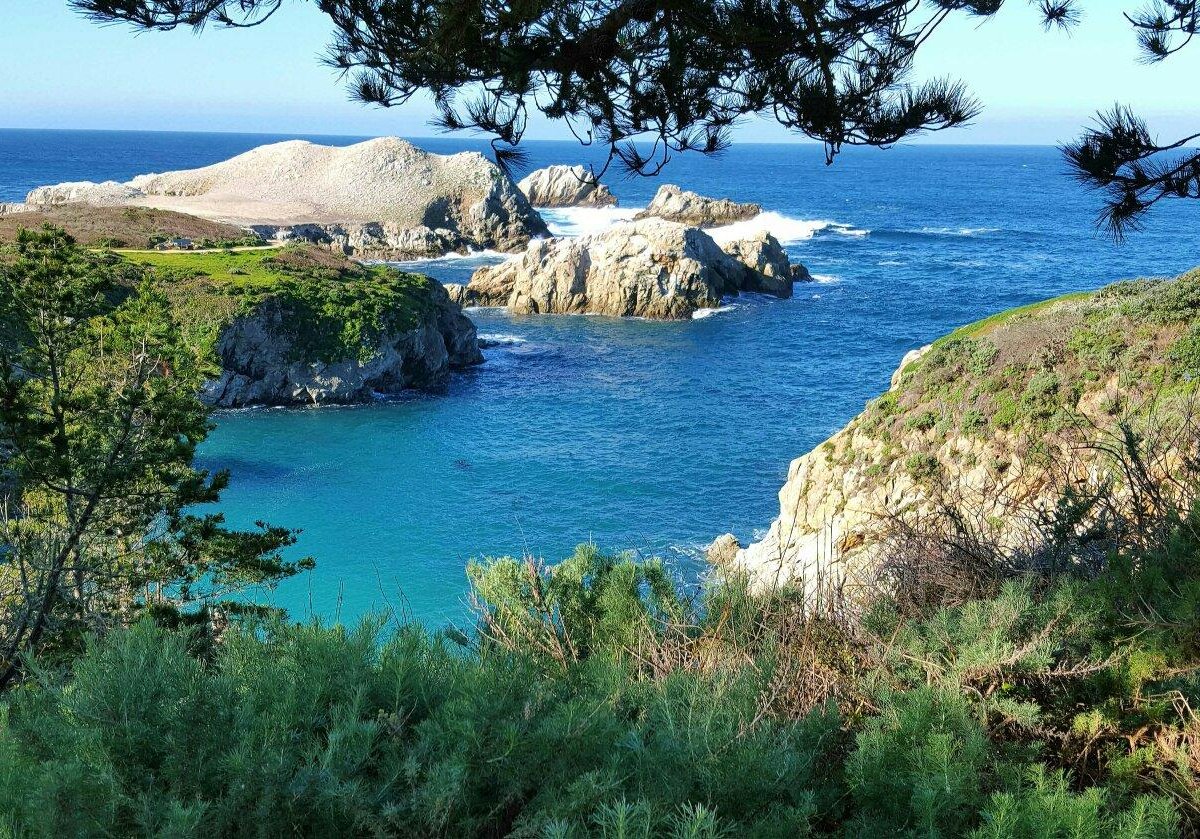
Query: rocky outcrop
{"points": [[992, 426], [8, 208], [370, 192], [258, 354], [375, 240], [690, 208], [650, 268], [770, 271], [565, 186]]}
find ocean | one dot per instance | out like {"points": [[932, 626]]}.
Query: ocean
{"points": [[640, 436]]}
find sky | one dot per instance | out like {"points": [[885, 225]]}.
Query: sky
{"points": [[58, 70]]}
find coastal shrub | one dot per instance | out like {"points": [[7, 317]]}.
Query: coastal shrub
{"points": [[954, 720], [919, 767]]}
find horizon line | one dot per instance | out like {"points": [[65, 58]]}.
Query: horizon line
{"points": [[907, 143]]}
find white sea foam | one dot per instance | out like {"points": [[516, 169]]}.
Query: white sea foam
{"points": [[787, 229], [581, 221], [481, 256], [501, 339], [957, 231], [826, 278], [889, 262], [700, 314], [500, 309]]}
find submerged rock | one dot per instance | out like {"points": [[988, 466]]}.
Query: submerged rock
{"points": [[565, 186], [650, 268], [686, 207], [362, 197]]}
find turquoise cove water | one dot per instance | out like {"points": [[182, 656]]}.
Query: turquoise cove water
{"points": [[637, 435]]}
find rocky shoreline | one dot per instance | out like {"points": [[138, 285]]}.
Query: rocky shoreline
{"points": [[387, 200], [986, 432]]}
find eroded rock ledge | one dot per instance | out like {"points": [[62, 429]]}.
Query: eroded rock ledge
{"points": [[650, 268]]}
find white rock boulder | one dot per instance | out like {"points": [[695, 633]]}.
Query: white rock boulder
{"points": [[565, 186]]}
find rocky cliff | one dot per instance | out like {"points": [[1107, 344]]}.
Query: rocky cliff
{"points": [[650, 268], [263, 362], [991, 427], [302, 326], [565, 186], [379, 188], [690, 208]]}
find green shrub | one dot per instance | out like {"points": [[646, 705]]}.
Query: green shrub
{"points": [[919, 767]]}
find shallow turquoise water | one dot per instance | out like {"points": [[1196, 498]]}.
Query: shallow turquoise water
{"points": [[653, 437]]}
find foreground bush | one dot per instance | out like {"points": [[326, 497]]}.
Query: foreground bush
{"points": [[1047, 710]]}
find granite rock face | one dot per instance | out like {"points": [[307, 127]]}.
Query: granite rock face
{"points": [[565, 186], [690, 208], [770, 271], [650, 268], [258, 356], [360, 195]]}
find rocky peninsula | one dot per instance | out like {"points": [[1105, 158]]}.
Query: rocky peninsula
{"points": [[987, 431], [650, 268], [300, 325], [383, 198]]}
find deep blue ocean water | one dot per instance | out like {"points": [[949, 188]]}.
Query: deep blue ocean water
{"points": [[651, 437]]}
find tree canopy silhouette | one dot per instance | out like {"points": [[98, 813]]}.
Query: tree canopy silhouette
{"points": [[646, 79]]}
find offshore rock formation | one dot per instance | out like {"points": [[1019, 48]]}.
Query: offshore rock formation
{"points": [[379, 187], [993, 425], [565, 186], [260, 364], [690, 208], [650, 268]]}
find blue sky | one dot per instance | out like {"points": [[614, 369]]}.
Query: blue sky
{"points": [[60, 71]]}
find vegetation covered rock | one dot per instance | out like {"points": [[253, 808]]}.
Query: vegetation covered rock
{"points": [[995, 424], [300, 325], [124, 227]]}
